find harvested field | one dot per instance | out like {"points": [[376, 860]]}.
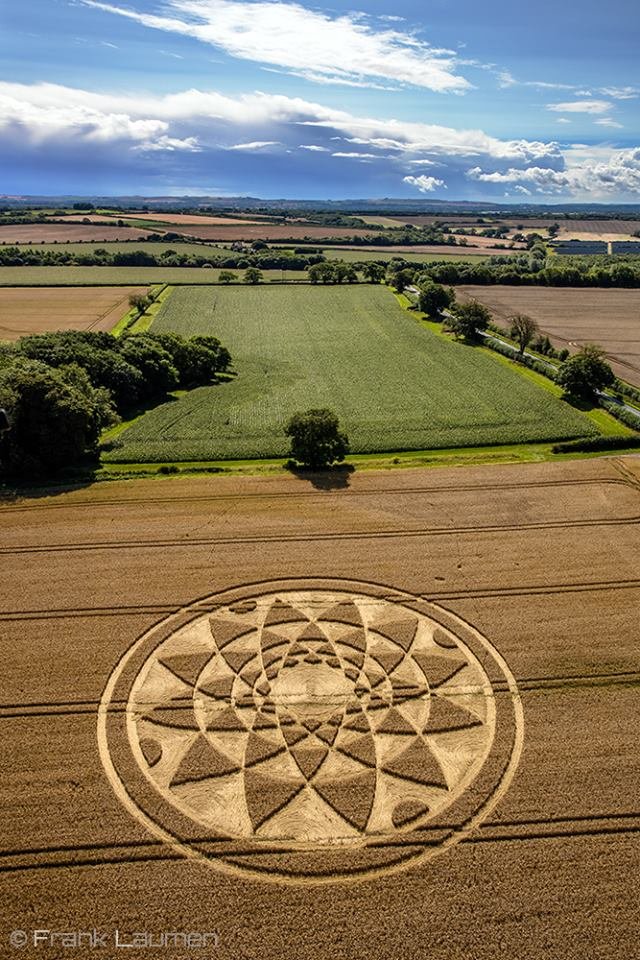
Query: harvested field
{"points": [[162, 217], [598, 229], [25, 310], [490, 244], [535, 565], [574, 316], [67, 232], [429, 220], [118, 276], [393, 384], [275, 232]]}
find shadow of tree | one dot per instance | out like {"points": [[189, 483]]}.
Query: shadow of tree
{"points": [[331, 478]]}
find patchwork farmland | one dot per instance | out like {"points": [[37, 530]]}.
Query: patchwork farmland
{"points": [[573, 317], [25, 310], [394, 384]]}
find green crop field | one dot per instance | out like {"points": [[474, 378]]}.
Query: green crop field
{"points": [[123, 276], [394, 384], [352, 256], [180, 246]]}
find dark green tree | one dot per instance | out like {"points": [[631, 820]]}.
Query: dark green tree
{"points": [[434, 299], [154, 363], [226, 276], [469, 319], [373, 272], [252, 275], [584, 374], [316, 440], [55, 418]]}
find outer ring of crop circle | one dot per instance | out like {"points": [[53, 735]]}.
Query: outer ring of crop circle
{"points": [[116, 754]]}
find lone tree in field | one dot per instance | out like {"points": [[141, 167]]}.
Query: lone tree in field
{"points": [[523, 330], [227, 276], [316, 441], [582, 375], [469, 320]]}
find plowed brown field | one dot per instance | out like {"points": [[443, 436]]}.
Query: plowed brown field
{"points": [[67, 233], [574, 316], [539, 563], [25, 310]]}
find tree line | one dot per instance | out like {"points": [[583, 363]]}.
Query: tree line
{"points": [[59, 391]]}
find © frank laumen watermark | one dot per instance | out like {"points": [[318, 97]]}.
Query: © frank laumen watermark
{"points": [[43, 939]]}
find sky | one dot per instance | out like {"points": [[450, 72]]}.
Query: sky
{"points": [[437, 99]]}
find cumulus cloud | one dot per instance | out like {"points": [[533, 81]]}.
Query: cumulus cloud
{"points": [[580, 106], [248, 138], [306, 42], [542, 179], [606, 174], [170, 144], [424, 184]]}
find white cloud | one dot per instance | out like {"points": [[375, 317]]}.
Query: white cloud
{"points": [[608, 122], [358, 156], [580, 106], [43, 120], [563, 120], [309, 43], [254, 145], [621, 93], [542, 179], [424, 184], [189, 144], [590, 173]]}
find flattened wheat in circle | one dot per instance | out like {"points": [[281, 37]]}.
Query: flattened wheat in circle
{"points": [[311, 730]]}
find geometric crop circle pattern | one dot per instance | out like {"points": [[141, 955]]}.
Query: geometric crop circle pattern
{"points": [[314, 730]]}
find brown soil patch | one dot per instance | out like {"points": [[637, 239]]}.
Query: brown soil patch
{"points": [[67, 233], [542, 560], [25, 310], [574, 316]]}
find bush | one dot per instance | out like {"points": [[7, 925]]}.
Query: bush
{"points": [[627, 417], [593, 444]]}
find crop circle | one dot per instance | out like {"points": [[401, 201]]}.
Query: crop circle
{"points": [[311, 730]]}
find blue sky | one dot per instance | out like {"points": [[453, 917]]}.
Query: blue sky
{"points": [[448, 99]]}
